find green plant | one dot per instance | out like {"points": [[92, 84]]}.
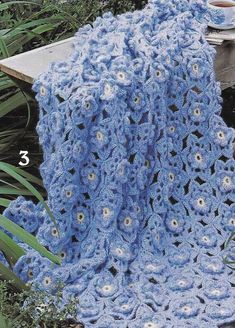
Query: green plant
{"points": [[33, 309]]}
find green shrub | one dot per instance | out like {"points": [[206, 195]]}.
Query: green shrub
{"points": [[33, 309]]}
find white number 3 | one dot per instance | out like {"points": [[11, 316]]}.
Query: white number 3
{"points": [[24, 156]]}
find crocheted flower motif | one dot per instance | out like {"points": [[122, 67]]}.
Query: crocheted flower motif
{"points": [[175, 220], [148, 319], [181, 283], [228, 217], [219, 312], [188, 308], [201, 200], [225, 179], [120, 250], [107, 209], [48, 280], [125, 305], [106, 285], [128, 224], [80, 222], [221, 136], [89, 308], [179, 256], [30, 265], [196, 68], [154, 236], [217, 290], [25, 213], [211, 265]]}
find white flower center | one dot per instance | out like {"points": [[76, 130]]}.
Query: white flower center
{"points": [[227, 181], [128, 221], [106, 212], [91, 176], [206, 239], [99, 136], [42, 90], [137, 100], [121, 76], [198, 157], [47, 281], [158, 73], [216, 292], [107, 89], [54, 232], [197, 111], [171, 176], [87, 105], [107, 288], [119, 251], [232, 221], [187, 309], [172, 129], [30, 273], [182, 283], [195, 68], [151, 267], [69, 193], [201, 202], [213, 267], [157, 237], [80, 217], [221, 135], [174, 223]]}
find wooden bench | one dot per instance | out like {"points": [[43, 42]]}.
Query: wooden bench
{"points": [[26, 67]]}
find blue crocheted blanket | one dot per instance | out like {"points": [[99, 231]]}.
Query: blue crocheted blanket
{"points": [[139, 169]]}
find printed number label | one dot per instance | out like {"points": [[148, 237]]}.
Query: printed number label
{"points": [[24, 158]]}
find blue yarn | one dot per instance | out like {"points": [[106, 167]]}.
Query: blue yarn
{"points": [[140, 175]]}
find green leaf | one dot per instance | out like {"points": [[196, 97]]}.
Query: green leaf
{"points": [[5, 6], [27, 238], [14, 191], [5, 83], [12, 103], [27, 175], [3, 48], [32, 24], [4, 322], [4, 202], [10, 248], [12, 172], [232, 236], [8, 275]]}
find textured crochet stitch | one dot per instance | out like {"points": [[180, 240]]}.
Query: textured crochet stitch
{"points": [[139, 169]]}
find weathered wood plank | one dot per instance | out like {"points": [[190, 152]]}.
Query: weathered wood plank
{"points": [[29, 65]]}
